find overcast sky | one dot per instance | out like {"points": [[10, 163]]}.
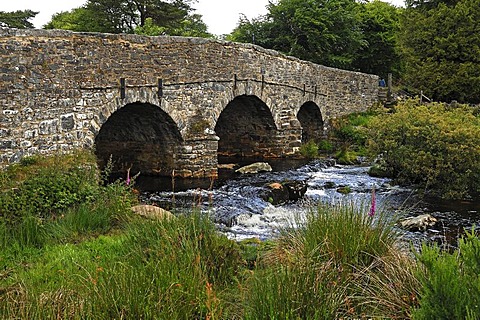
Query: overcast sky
{"points": [[221, 16]]}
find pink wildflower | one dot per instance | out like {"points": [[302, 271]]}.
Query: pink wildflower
{"points": [[372, 208], [128, 177]]}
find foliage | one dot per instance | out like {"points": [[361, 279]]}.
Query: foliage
{"points": [[46, 199], [43, 187], [434, 146], [154, 269], [325, 146], [308, 272], [320, 31], [450, 281], [82, 20], [340, 33], [351, 135], [148, 17], [440, 43], [309, 150], [379, 22], [17, 19]]}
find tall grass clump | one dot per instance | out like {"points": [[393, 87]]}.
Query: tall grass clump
{"points": [[308, 272], [173, 269], [450, 281]]}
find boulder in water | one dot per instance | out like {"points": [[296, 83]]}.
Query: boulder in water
{"points": [[419, 223], [278, 193], [255, 168]]}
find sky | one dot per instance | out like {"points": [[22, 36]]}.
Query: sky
{"points": [[221, 16]]}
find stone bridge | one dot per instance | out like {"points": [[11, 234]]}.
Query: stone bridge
{"points": [[164, 105]]}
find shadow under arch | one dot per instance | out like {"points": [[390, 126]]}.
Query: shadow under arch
{"points": [[140, 137], [246, 129], [311, 121]]}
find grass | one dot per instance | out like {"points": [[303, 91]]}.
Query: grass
{"points": [[95, 259]]}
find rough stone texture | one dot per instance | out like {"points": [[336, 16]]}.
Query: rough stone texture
{"points": [[255, 168], [58, 90], [418, 223], [152, 212]]}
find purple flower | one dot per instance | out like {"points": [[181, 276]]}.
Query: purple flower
{"points": [[372, 208], [128, 177]]}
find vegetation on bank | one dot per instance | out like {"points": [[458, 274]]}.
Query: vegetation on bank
{"points": [[433, 147], [86, 255]]}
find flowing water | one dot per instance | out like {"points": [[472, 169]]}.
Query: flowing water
{"points": [[235, 204]]}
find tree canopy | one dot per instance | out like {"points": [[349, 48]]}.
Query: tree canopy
{"points": [[338, 33], [321, 31], [152, 17], [17, 19], [441, 50], [379, 23]]}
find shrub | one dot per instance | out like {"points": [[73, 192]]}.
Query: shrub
{"points": [[325, 146], [309, 150], [450, 281], [345, 156], [434, 146], [351, 129], [44, 186], [45, 199]]}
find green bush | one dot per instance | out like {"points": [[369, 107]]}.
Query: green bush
{"points": [[325, 146], [351, 129], [434, 146], [44, 186], [450, 281], [49, 199], [309, 150], [345, 156]]}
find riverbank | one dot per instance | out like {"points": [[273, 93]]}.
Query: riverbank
{"points": [[92, 257]]}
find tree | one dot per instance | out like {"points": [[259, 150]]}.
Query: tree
{"points": [[441, 50], [379, 22], [321, 31], [192, 26], [82, 20], [174, 17], [17, 19]]}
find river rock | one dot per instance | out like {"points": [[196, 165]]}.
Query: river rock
{"points": [[152, 212], [278, 193], [228, 166], [255, 168], [419, 223]]}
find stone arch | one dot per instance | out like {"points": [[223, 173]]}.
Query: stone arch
{"points": [[139, 136], [246, 129], [312, 122]]}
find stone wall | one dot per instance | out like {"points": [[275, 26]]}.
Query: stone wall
{"points": [[58, 88]]}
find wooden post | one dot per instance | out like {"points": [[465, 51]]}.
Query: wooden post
{"points": [[122, 88], [160, 88]]}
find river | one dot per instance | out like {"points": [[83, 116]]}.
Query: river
{"points": [[235, 205]]}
